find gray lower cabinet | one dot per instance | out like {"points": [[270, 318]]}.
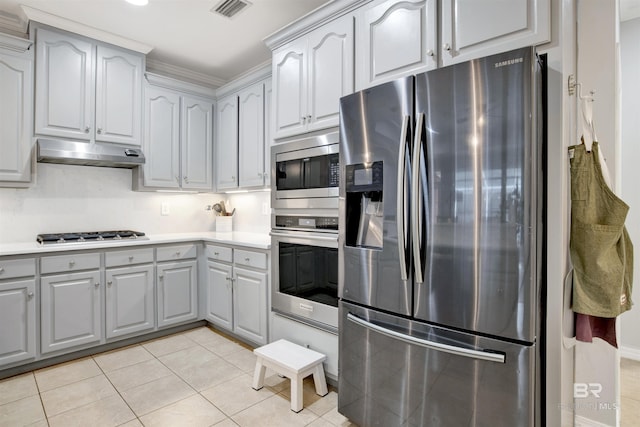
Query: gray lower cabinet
{"points": [[17, 320], [237, 291], [70, 310], [129, 300], [177, 292]]}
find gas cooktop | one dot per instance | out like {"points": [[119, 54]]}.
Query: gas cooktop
{"points": [[90, 236]]}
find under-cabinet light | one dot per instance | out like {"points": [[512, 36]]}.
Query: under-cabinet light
{"points": [[138, 2]]}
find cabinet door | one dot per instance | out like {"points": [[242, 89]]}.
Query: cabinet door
{"points": [[16, 119], [70, 310], [290, 88], [330, 71], [472, 29], [64, 86], [227, 143], [118, 96], [250, 304], [162, 138], [268, 134], [17, 321], [220, 295], [177, 293], [251, 136], [197, 143], [129, 303], [398, 38]]}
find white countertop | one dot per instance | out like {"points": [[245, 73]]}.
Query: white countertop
{"points": [[250, 240]]}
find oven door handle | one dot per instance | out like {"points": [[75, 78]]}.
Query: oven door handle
{"points": [[303, 235]]}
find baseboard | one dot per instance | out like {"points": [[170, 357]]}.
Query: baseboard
{"points": [[630, 353], [580, 421]]}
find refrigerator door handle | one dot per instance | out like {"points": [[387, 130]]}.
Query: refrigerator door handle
{"points": [[459, 351], [400, 199], [415, 198]]}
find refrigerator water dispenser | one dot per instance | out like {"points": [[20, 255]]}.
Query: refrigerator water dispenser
{"points": [[364, 207]]}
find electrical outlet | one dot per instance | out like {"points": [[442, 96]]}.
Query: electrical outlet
{"points": [[265, 208], [164, 209]]}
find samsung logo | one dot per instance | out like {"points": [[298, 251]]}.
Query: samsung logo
{"points": [[508, 62]]}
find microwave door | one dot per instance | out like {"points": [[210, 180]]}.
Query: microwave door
{"points": [[289, 175]]}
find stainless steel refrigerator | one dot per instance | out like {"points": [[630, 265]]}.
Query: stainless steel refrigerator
{"points": [[441, 225]]}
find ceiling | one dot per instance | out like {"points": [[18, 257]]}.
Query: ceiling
{"points": [[629, 9], [185, 36]]}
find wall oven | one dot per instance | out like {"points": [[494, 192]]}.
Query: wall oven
{"points": [[305, 173], [305, 267]]}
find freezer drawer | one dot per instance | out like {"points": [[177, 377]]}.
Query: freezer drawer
{"points": [[393, 371]]}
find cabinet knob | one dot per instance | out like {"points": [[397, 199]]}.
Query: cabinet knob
{"points": [[97, 284], [216, 253], [247, 259], [304, 119], [186, 179], [233, 178], [87, 129], [99, 130], [30, 295], [109, 283], [131, 258], [446, 47], [161, 277], [177, 179], [1, 270], [177, 253], [72, 263], [430, 52], [309, 117]]}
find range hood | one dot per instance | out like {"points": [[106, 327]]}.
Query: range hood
{"points": [[88, 154]]}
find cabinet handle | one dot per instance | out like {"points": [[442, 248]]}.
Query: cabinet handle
{"points": [[216, 253], [447, 47], [178, 253], [99, 130], [430, 52], [1, 270], [247, 259], [177, 179], [109, 283], [233, 178], [186, 179], [97, 284], [87, 129], [131, 258], [161, 277], [30, 295], [71, 264]]}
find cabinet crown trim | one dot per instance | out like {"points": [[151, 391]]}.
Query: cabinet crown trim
{"points": [[312, 20], [15, 44], [254, 76], [179, 85]]}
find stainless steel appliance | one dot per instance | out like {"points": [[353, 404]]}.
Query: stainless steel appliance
{"points": [[305, 268], [441, 218], [88, 154], [90, 237], [305, 173]]}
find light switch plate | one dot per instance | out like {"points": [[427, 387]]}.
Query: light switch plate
{"points": [[164, 209]]}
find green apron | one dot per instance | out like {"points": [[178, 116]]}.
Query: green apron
{"points": [[601, 251]]}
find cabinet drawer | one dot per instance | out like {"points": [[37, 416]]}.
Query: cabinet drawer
{"points": [[70, 262], [130, 257], [173, 253], [17, 268], [219, 253], [251, 259]]}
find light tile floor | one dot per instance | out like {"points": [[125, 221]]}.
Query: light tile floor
{"points": [[629, 393], [194, 378]]}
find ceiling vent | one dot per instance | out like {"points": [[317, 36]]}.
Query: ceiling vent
{"points": [[229, 8]]}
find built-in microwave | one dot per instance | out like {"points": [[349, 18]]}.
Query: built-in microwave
{"points": [[305, 173]]}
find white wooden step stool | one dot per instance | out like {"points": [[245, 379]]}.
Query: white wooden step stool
{"points": [[294, 362]]}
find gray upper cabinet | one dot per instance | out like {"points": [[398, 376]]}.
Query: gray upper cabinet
{"points": [[226, 159], [87, 91], [16, 104], [178, 141]]}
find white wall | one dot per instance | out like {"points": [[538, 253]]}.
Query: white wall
{"points": [[630, 172], [83, 198]]}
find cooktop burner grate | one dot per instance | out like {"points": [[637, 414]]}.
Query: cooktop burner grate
{"points": [[90, 236]]}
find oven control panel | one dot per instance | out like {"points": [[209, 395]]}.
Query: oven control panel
{"points": [[328, 223]]}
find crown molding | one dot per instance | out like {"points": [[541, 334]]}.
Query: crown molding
{"points": [[15, 44], [312, 20], [253, 75], [42, 17], [179, 85], [14, 24], [181, 73]]}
